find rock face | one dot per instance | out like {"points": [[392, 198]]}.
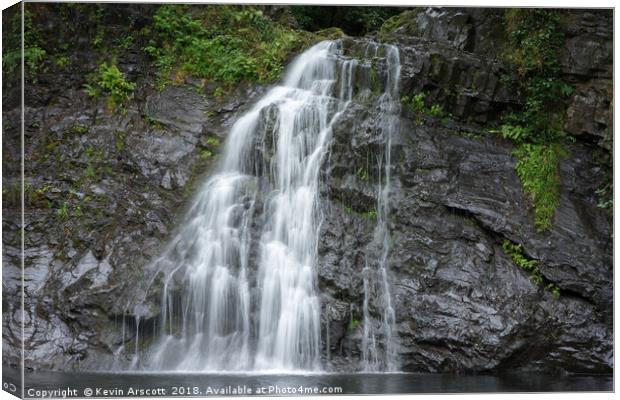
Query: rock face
{"points": [[104, 190]]}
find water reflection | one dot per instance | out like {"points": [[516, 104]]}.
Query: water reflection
{"points": [[220, 384]]}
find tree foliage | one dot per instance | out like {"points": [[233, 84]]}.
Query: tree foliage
{"points": [[352, 20]]}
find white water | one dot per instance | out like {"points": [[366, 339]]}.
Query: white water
{"points": [[240, 289], [376, 271], [269, 177]]}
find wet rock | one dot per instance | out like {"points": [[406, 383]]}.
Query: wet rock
{"points": [[105, 200]]}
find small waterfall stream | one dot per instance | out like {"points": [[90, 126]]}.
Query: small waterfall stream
{"points": [[240, 290], [376, 271]]}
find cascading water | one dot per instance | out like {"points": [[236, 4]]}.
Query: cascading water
{"points": [[376, 271], [240, 288], [269, 177]]}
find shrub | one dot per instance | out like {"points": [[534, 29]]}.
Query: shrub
{"points": [[112, 82]]}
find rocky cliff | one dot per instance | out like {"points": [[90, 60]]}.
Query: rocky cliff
{"points": [[104, 189]]}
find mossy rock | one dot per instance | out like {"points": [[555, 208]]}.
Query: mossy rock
{"points": [[330, 34], [404, 23]]}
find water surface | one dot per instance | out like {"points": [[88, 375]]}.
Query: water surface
{"points": [[188, 384]]}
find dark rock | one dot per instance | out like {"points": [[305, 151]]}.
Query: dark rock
{"points": [[104, 201]]}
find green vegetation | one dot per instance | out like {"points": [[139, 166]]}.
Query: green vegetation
{"points": [[225, 44], [79, 129], [405, 20], [119, 140], [537, 168], [63, 211], [356, 21], [417, 106], [606, 196], [533, 52], [370, 214], [33, 196], [89, 172], [34, 54], [213, 142], [152, 122], [205, 154], [111, 82], [363, 174], [354, 324], [61, 61], [516, 253]]}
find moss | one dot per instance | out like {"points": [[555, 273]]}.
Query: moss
{"points": [[119, 140], [330, 34], [407, 21], [370, 214]]}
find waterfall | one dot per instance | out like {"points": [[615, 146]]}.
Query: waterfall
{"points": [[239, 289], [234, 300], [388, 106]]}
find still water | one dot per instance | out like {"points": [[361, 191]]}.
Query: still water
{"points": [[55, 384]]}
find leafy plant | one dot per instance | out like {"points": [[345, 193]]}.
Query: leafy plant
{"points": [[205, 154], [112, 82], [89, 172], [606, 196], [79, 129], [516, 253], [213, 142], [91, 90], [417, 106], [63, 211], [61, 61], [537, 168], [535, 39], [220, 43], [436, 111], [33, 52]]}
